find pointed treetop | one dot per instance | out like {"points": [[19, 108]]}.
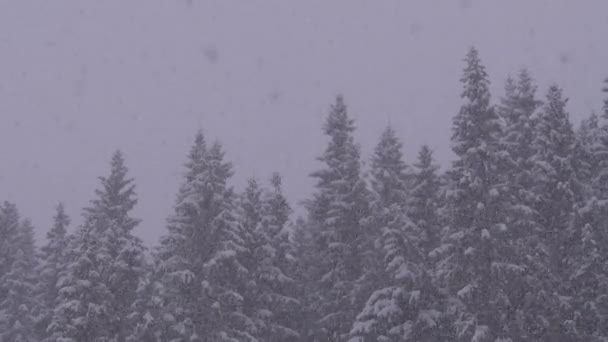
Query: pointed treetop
{"points": [[116, 197], [196, 157], [338, 120], [510, 89], [276, 181], [389, 150], [525, 83], [425, 158], [475, 79], [388, 169], [216, 158], [556, 103], [61, 222]]}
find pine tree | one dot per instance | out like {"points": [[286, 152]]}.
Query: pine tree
{"points": [[279, 298], [201, 275], [517, 110], [403, 305], [99, 286], [53, 256], [557, 191], [18, 305], [335, 217], [423, 201], [110, 212], [268, 300], [589, 276], [476, 255]]}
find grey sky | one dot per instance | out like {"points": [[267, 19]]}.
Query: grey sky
{"points": [[80, 78]]}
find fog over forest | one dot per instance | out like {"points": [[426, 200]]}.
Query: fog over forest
{"points": [[275, 171]]}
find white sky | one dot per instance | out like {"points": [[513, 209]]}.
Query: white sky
{"points": [[80, 78]]}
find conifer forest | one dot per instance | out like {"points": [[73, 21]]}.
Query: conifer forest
{"points": [[509, 243]]}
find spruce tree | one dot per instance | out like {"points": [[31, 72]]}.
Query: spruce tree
{"points": [[476, 262], [199, 260], [105, 267], [423, 202], [18, 305], [335, 216], [403, 305], [589, 276], [53, 260], [517, 109], [557, 190], [268, 300]]}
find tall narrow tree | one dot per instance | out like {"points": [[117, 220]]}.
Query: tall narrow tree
{"points": [[476, 257], [557, 190], [199, 262], [105, 268], [403, 305], [53, 256], [335, 216], [18, 304], [423, 201]]}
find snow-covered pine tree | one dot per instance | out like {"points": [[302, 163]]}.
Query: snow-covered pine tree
{"points": [[81, 313], [557, 191], [53, 260], [335, 216], [305, 272], [589, 276], [198, 261], [517, 109], [278, 300], [99, 285], [110, 213], [18, 305], [403, 305], [255, 251], [423, 201], [476, 255]]}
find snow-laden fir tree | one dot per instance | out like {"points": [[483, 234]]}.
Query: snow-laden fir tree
{"points": [[268, 299], [403, 305], [423, 202], [335, 216], [18, 305], [199, 260], [53, 260], [477, 258], [278, 266], [518, 109], [557, 191], [99, 286], [589, 276]]}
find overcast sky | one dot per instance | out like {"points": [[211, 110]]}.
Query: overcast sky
{"points": [[81, 78]]}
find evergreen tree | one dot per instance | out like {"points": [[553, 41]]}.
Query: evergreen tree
{"points": [[99, 286], [477, 260], [423, 202], [403, 305], [517, 109], [199, 262], [335, 216], [53, 256], [589, 276], [18, 305], [557, 191], [269, 299], [277, 267]]}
